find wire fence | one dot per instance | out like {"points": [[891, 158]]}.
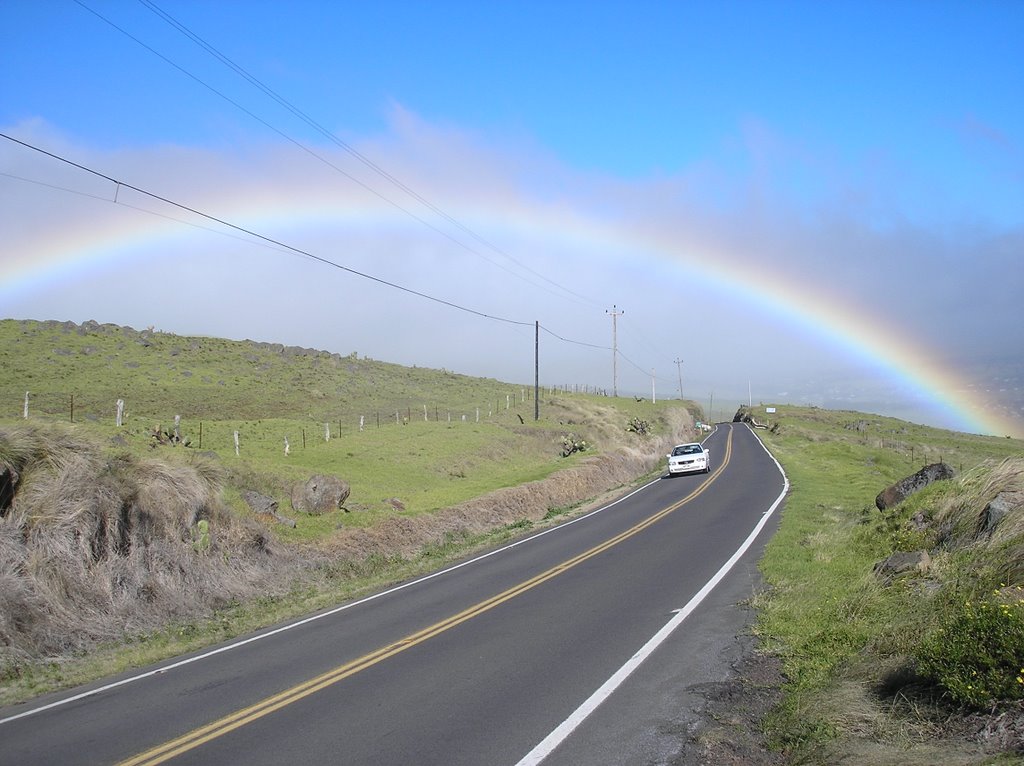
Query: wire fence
{"points": [[290, 433]]}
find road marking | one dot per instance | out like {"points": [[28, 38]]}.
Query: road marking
{"points": [[546, 746], [247, 715]]}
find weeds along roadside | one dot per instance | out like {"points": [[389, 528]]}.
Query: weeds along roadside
{"points": [[852, 644]]}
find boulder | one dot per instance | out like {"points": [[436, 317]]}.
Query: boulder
{"points": [[904, 488], [259, 503], [902, 562], [994, 513], [266, 505], [320, 494]]}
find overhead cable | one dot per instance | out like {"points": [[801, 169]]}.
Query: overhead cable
{"points": [[329, 135], [271, 240], [308, 150]]}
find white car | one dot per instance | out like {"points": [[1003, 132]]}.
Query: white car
{"points": [[688, 458]]}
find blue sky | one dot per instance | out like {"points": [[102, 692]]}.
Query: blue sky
{"points": [[869, 152]]}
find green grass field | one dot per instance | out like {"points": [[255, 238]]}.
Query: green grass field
{"points": [[428, 438], [848, 641]]}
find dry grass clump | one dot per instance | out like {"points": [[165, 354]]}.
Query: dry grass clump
{"points": [[94, 547], [986, 518]]}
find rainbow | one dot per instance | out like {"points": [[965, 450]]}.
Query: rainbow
{"points": [[68, 254], [838, 327]]}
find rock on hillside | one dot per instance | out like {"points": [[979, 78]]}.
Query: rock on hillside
{"points": [[904, 488]]}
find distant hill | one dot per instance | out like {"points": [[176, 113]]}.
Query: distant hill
{"points": [[160, 375]]}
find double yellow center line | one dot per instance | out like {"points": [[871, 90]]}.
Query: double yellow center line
{"points": [[264, 707]]}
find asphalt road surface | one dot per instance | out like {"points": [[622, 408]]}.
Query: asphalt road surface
{"points": [[581, 644]]}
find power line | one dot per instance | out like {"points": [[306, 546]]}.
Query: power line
{"points": [[122, 203], [261, 239], [574, 342], [274, 245], [298, 251], [283, 102]]}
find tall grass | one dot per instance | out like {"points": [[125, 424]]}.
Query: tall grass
{"points": [[854, 645], [96, 546]]}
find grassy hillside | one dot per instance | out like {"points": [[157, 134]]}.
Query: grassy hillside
{"points": [[922, 667], [160, 375], [429, 438], [125, 535]]}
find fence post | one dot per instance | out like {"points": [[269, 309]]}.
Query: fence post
{"points": [[26, 406], [236, 443]]}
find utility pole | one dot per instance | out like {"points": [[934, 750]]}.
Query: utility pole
{"points": [[654, 398], [615, 314], [679, 369], [536, 371]]}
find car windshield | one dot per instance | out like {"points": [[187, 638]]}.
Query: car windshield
{"points": [[687, 449]]}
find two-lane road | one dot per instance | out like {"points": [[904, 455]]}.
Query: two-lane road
{"points": [[565, 647]]}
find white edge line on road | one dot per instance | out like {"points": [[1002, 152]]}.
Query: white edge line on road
{"points": [[318, 616], [559, 735]]}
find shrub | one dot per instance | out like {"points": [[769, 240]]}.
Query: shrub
{"points": [[572, 443], [977, 659], [638, 426]]}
